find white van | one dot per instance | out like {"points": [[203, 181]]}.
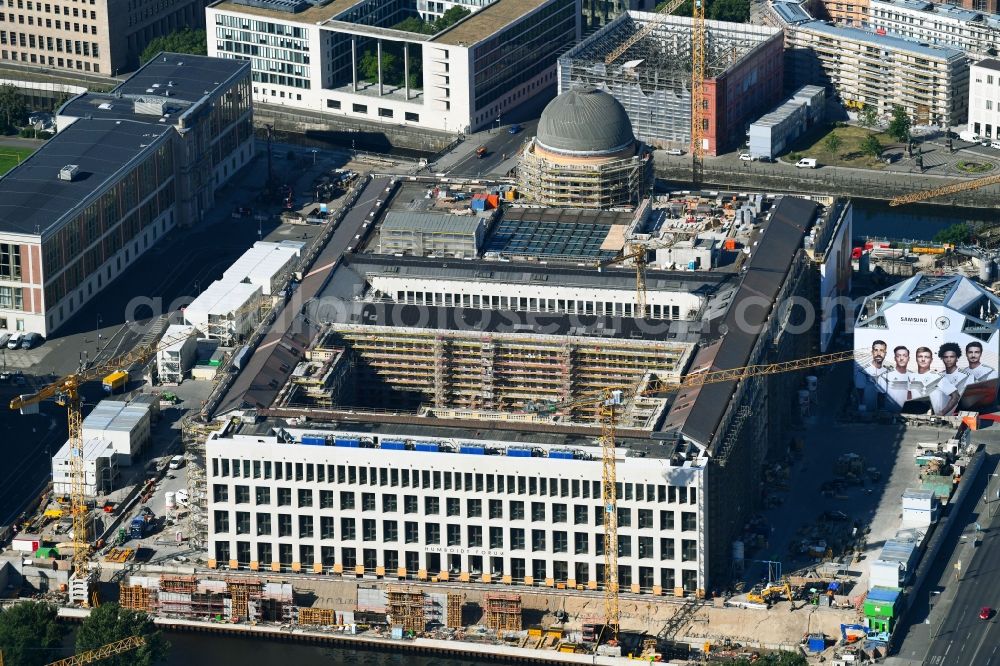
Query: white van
{"points": [[806, 163], [995, 144], [968, 135], [15, 340]]}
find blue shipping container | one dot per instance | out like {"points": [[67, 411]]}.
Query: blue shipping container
{"points": [[562, 455], [519, 453], [427, 446], [393, 445], [313, 440], [473, 450], [350, 443]]}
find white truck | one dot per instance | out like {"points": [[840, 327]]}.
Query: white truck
{"points": [[968, 135]]}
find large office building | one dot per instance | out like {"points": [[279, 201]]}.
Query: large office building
{"points": [[355, 59], [652, 79], [100, 36], [124, 168], [975, 32], [984, 98], [861, 13], [863, 68], [442, 435]]}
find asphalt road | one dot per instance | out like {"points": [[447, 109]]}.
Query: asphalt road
{"points": [[942, 626], [501, 146], [963, 639]]}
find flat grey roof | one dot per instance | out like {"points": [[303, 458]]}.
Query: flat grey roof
{"points": [[487, 21], [887, 41], [404, 221], [193, 76], [765, 275], [32, 198], [989, 63], [107, 105], [940, 9], [695, 282]]}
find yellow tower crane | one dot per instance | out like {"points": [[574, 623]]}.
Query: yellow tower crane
{"points": [[611, 401], [636, 253], [66, 392], [699, 102], [103, 652], [965, 186], [641, 33]]}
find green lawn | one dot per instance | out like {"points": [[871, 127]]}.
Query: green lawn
{"points": [[849, 153], [11, 157]]}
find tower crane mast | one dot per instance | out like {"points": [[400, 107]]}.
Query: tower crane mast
{"points": [[66, 392], [611, 401]]}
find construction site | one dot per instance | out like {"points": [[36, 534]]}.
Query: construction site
{"points": [[645, 61]]}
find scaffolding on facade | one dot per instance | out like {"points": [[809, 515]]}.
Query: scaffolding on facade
{"points": [[325, 617], [243, 591], [525, 372], [652, 79], [602, 184], [503, 612], [135, 597], [405, 608], [454, 617]]}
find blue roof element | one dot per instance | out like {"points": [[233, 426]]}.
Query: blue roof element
{"points": [[887, 594]]}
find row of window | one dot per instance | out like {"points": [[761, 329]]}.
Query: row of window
{"points": [[541, 569], [535, 304], [51, 61], [475, 536], [445, 480], [27, 40], [382, 112], [50, 23], [540, 512], [266, 27]]}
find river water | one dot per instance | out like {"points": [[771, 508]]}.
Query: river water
{"points": [[916, 221], [209, 650]]}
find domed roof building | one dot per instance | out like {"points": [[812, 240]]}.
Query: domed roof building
{"points": [[584, 154]]}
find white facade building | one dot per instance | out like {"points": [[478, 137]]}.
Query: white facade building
{"points": [[412, 506], [554, 298], [98, 465], [173, 361], [225, 311], [335, 58], [984, 98], [265, 264], [976, 33], [124, 426]]}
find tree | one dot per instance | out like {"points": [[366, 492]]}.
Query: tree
{"points": [[868, 116], [13, 110], [109, 623], [415, 24], [957, 234], [185, 40], [833, 143], [28, 631], [450, 18], [720, 10], [392, 69], [871, 146], [899, 126]]}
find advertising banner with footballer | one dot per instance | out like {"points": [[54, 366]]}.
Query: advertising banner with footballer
{"points": [[924, 360]]}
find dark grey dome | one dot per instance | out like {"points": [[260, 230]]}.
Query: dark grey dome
{"points": [[585, 122]]}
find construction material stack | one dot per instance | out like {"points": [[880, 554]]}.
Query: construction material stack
{"points": [[503, 612], [406, 609]]}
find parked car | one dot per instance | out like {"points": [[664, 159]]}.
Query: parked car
{"points": [[806, 163], [746, 157], [15, 340], [765, 158], [514, 129], [31, 340], [176, 462], [995, 144], [674, 151]]}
